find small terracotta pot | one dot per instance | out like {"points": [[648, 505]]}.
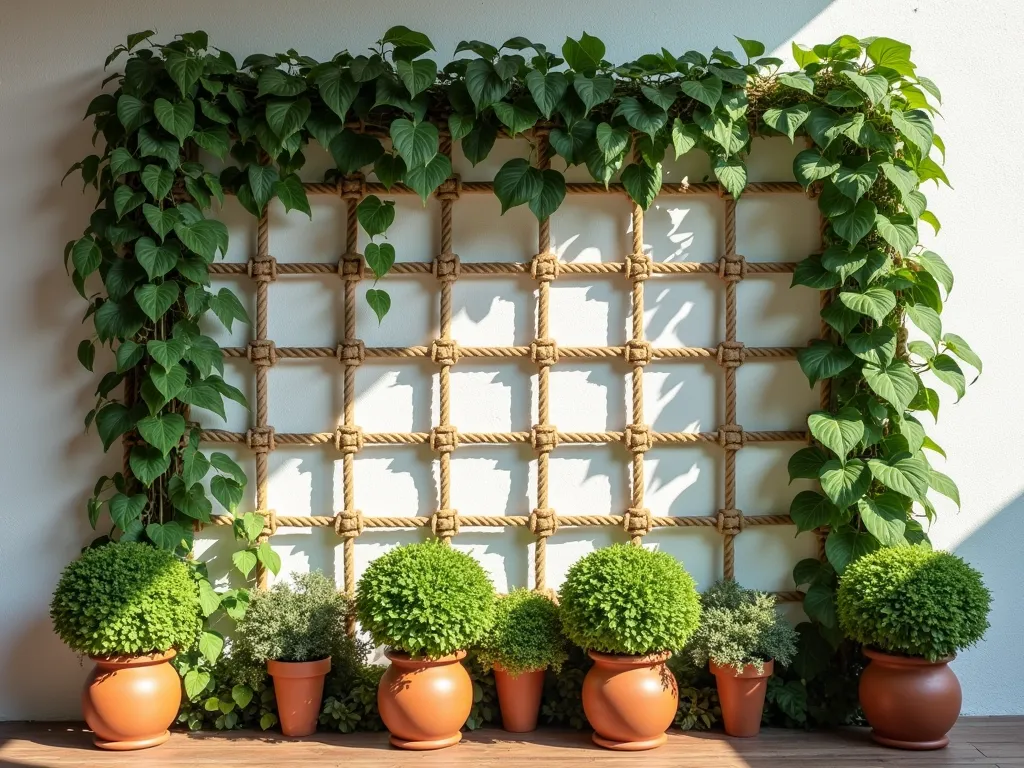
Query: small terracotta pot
{"points": [[519, 697], [299, 689], [742, 696], [129, 702], [909, 702], [630, 700], [425, 702]]}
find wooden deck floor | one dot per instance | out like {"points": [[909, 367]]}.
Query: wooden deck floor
{"points": [[976, 742]]}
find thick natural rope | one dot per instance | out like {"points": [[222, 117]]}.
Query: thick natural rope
{"points": [[729, 513], [543, 520]]}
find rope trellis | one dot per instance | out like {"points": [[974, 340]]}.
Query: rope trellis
{"points": [[544, 267]]}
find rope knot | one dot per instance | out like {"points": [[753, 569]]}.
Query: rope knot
{"points": [[638, 438], [262, 270], [444, 523], [543, 522], [348, 523], [730, 521], [444, 439], [351, 352], [731, 437], [544, 438], [638, 266], [544, 352], [637, 521], [731, 354], [348, 439], [450, 189], [545, 267], [350, 267], [447, 267], [260, 439], [261, 353], [445, 351], [732, 268], [269, 522], [638, 352], [352, 187]]}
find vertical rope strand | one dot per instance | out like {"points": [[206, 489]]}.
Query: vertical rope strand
{"points": [[542, 531], [445, 523], [728, 537], [262, 399]]}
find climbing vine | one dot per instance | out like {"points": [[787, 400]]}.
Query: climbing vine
{"points": [[143, 263]]}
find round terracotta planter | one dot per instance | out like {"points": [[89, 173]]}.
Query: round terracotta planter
{"points": [[909, 702], [129, 702], [519, 698], [630, 700], [425, 702], [742, 696], [299, 689]]}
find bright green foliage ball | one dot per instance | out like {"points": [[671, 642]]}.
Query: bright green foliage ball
{"points": [[526, 634], [126, 598], [629, 600], [427, 600], [913, 601]]}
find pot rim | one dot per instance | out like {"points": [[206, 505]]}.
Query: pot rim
{"points": [[625, 659], [403, 659], [135, 659], [748, 671], [299, 669], [501, 670], [897, 660]]}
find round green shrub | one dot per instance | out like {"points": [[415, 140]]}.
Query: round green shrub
{"points": [[427, 600], [126, 598], [741, 626], [526, 634], [629, 600], [913, 601], [303, 621]]}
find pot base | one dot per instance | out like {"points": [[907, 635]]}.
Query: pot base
{"points": [[630, 746], [128, 746], [422, 746], [913, 745]]}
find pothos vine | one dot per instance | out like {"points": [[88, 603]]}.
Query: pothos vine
{"points": [[147, 250]]}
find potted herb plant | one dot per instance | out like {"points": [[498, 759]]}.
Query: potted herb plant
{"points": [[741, 636], [629, 608], [427, 603], [128, 606], [913, 609], [525, 640], [295, 630]]}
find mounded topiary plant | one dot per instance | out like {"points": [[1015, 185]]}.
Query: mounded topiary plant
{"points": [[913, 601], [626, 599], [126, 598], [427, 600], [526, 634], [739, 627]]}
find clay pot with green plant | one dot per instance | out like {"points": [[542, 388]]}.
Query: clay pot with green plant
{"points": [[128, 606], [428, 603], [741, 635], [913, 609], [630, 608], [524, 641], [295, 630]]}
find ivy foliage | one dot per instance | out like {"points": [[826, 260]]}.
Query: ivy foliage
{"points": [[629, 600], [913, 601], [427, 600], [126, 599], [526, 634], [739, 627]]}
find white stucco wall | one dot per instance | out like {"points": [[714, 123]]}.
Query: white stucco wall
{"points": [[50, 51]]}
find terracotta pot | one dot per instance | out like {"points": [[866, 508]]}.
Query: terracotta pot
{"points": [[519, 697], [129, 702], [425, 702], [742, 696], [630, 700], [909, 702], [299, 689]]}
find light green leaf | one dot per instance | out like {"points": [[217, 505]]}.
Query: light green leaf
{"points": [[732, 174], [855, 182], [425, 179], [891, 54], [809, 166], [788, 120], [885, 517], [908, 476], [927, 319], [944, 485], [205, 237], [877, 347], [210, 645], [585, 54], [844, 545], [226, 491], [546, 89], [162, 432], [840, 433], [898, 231], [876, 303], [872, 85], [416, 142], [684, 137], [844, 483], [244, 560], [935, 266], [196, 682], [798, 80], [949, 372], [823, 360], [611, 141], [126, 509], [895, 382], [707, 90], [270, 559], [959, 347], [916, 127]]}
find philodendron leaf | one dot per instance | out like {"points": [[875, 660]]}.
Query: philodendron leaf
{"points": [[379, 258], [894, 382], [806, 463], [823, 360], [788, 120], [877, 347], [642, 183], [416, 142], [517, 182], [379, 301], [162, 432], [839, 433], [811, 510], [909, 476], [885, 517], [845, 483], [876, 303], [810, 166], [845, 544], [375, 215], [856, 223], [425, 179], [551, 195]]}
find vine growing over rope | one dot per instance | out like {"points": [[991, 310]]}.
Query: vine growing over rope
{"points": [[143, 263]]}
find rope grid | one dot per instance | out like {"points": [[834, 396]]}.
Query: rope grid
{"points": [[445, 352]]}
